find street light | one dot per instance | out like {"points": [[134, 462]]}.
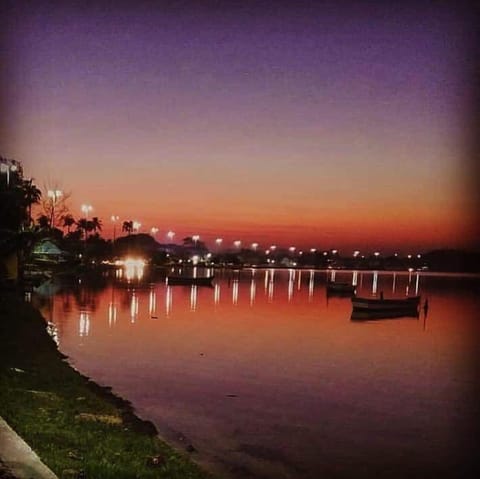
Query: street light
{"points": [[377, 254], [54, 195], [254, 246], [273, 247], [292, 249], [237, 243], [313, 250], [136, 226], [86, 209], [195, 239], [7, 167], [170, 235], [114, 219], [356, 253], [153, 230]]}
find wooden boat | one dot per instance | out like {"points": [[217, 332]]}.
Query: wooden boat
{"points": [[189, 280], [386, 305], [343, 288], [366, 315]]}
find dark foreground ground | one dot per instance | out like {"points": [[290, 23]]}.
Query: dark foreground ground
{"points": [[79, 429]]}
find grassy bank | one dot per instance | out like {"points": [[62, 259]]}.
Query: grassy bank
{"points": [[77, 428]]}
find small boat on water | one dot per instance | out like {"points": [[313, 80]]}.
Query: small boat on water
{"points": [[366, 315], [340, 288], [189, 280], [397, 305]]}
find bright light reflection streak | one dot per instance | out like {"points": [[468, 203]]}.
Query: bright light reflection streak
{"points": [[332, 275], [84, 323], [417, 284], [311, 285], [235, 291], [299, 280], [193, 298], [168, 300], [355, 278], [375, 282], [152, 302], [270, 290], [216, 293], [133, 307], [290, 286], [394, 282], [266, 280], [252, 292], [112, 314]]}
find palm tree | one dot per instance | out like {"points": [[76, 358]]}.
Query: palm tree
{"points": [[31, 195], [43, 221], [68, 222], [127, 227], [96, 224], [83, 225]]}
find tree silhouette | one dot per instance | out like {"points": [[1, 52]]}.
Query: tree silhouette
{"points": [[68, 222], [127, 226], [95, 224], [31, 195]]}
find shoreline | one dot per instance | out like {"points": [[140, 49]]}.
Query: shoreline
{"points": [[75, 425]]}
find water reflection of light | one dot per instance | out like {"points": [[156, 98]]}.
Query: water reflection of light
{"points": [[394, 282], [332, 275], [52, 330], [119, 273], [133, 307], [310, 285], [355, 278], [252, 292], [193, 298], [84, 323], [266, 280], [168, 300], [134, 269], [152, 302], [216, 293], [235, 292], [375, 282], [299, 280], [112, 313], [291, 278], [416, 284], [270, 290]]}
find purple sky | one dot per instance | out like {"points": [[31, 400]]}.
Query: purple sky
{"points": [[298, 125]]}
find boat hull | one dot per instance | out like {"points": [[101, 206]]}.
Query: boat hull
{"points": [[341, 288], [386, 305], [366, 315]]}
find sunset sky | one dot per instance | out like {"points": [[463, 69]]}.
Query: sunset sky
{"points": [[319, 126]]}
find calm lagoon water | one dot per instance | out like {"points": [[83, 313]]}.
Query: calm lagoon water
{"points": [[269, 377]]}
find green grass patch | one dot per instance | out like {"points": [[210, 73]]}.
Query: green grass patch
{"points": [[74, 425]]}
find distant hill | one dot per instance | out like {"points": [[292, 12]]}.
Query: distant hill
{"points": [[451, 260]]}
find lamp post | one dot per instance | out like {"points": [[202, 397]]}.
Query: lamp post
{"points": [[114, 219], [54, 195], [86, 209], [7, 167]]}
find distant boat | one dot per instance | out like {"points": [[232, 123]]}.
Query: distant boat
{"points": [[340, 288], [189, 280], [401, 305], [366, 315]]}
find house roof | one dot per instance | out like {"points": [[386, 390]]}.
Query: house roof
{"points": [[47, 247]]}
